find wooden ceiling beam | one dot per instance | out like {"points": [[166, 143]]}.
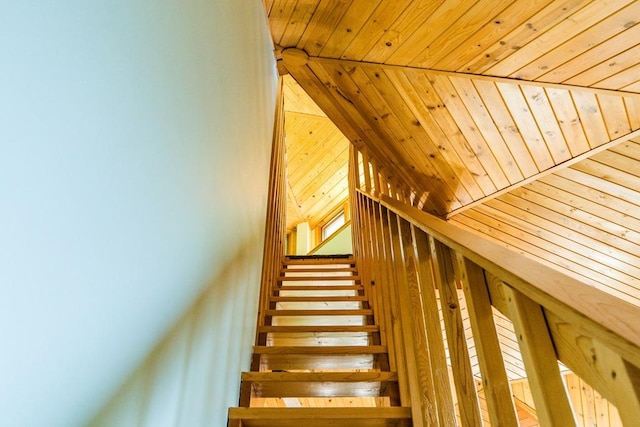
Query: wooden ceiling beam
{"points": [[496, 79], [546, 172]]}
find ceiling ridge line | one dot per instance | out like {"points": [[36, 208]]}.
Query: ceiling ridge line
{"points": [[497, 79], [549, 171]]}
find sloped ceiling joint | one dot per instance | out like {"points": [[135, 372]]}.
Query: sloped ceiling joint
{"points": [[343, 112], [549, 171], [493, 78], [464, 138]]}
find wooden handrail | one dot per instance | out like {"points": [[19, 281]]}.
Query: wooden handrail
{"points": [[612, 320], [410, 256]]}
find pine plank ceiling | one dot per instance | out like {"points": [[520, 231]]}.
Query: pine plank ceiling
{"points": [[317, 159], [521, 119]]}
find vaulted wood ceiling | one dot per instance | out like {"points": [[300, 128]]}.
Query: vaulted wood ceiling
{"points": [[521, 118], [318, 157]]}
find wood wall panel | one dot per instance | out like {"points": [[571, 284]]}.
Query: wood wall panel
{"points": [[590, 409], [584, 219]]}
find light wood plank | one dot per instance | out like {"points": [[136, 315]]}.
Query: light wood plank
{"points": [[602, 315], [552, 405], [583, 41], [581, 20], [546, 18], [495, 381], [461, 367], [322, 417], [413, 321]]}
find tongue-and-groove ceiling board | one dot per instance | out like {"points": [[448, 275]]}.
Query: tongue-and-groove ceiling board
{"points": [[317, 159], [468, 99]]}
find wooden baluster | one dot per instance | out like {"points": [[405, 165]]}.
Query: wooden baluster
{"points": [[377, 190], [409, 292], [382, 284], [367, 173], [602, 368], [549, 394], [406, 323], [460, 362], [395, 309], [625, 386], [494, 376], [354, 169], [444, 399], [370, 255]]}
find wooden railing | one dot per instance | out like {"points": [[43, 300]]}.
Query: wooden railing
{"points": [[416, 262], [275, 230]]}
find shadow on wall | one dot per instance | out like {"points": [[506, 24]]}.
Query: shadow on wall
{"points": [[193, 374]]}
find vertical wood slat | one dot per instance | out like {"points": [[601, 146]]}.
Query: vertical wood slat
{"points": [[581, 333], [541, 364], [599, 366], [380, 262], [410, 292], [383, 284], [395, 317], [494, 376], [444, 398], [276, 208], [367, 172], [626, 390], [376, 177], [367, 266], [419, 408], [460, 362]]}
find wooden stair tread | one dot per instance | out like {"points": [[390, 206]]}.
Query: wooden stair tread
{"points": [[315, 269], [320, 312], [320, 288], [285, 329], [346, 298], [319, 376], [327, 362], [333, 350], [318, 261], [319, 384], [322, 417], [316, 278]]}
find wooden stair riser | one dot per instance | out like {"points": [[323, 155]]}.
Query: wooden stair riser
{"points": [[359, 302], [319, 335], [318, 278], [321, 312], [336, 261], [355, 298], [324, 389], [313, 329], [314, 289], [321, 384], [316, 269], [287, 362], [319, 358], [322, 338]]}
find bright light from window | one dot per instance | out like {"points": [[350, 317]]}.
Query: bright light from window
{"points": [[333, 225]]}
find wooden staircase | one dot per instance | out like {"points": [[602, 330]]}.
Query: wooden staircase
{"points": [[320, 359]]}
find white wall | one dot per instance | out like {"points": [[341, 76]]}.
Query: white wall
{"points": [[134, 154]]}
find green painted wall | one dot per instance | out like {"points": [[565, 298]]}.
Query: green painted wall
{"points": [[339, 243]]}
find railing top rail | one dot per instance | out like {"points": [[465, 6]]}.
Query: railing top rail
{"points": [[611, 320]]}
